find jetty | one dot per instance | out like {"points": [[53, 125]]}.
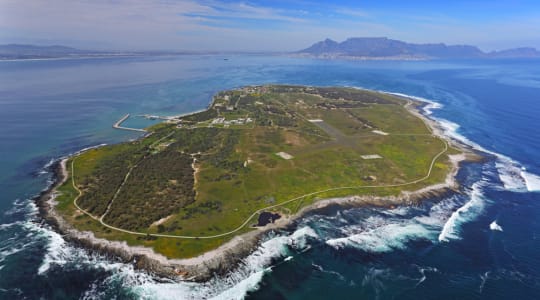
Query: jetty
{"points": [[118, 125]]}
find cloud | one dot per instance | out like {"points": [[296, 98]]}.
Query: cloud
{"points": [[151, 24], [224, 25], [352, 12]]}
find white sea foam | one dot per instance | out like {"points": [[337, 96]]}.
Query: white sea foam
{"points": [[242, 288], [463, 214], [483, 279], [323, 270], [10, 250], [392, 229], [20, 238], [439, 213], [495, 227], [9, 225], [49, 163], [532, 181], [300, 237], [237, 283], [383, 238], [88, 148], [510, 171], [428, 108], [375, 279], [423, 272], [57, 251], [510, 176]]}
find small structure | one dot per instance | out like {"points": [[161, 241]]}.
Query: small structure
{"points": [[284, 155], [379, 132], [371, 156], [218, 121], [370, 178], [316, 120]]}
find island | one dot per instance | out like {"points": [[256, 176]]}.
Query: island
{"points": [[194, 195]]}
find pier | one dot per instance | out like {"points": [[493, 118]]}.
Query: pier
{"points": [[118, 125]]}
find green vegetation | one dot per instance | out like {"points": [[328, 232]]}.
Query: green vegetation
{"points": [[204, 175]]}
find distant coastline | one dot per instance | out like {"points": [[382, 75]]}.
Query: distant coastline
{"points": [[382, 48], [356, 48], [16, 52]]}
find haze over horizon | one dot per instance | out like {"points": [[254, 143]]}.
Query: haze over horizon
{"points": [[264, 25]]}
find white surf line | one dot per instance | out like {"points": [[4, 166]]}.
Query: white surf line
{"points": [[259, 210]]}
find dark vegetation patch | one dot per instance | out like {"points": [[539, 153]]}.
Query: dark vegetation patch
{"points": [[158, 187]]}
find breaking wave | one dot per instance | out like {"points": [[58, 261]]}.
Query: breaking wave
{"points": [[387, 230], [237, 283], [428, 108], [463, 214], [532, 181], [512, 174], [382, 239], [495, 227]]}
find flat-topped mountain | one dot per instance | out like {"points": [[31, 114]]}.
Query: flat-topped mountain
{"points": [[382, 47]]}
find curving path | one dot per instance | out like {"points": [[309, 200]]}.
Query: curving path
{"points": [[100, 219]]}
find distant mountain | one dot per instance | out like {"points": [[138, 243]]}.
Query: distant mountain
{"points": [[385, 48], [16, 51], [516, 52]]}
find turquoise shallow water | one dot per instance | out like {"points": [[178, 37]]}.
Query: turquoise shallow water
{"points": [[444, 248]]}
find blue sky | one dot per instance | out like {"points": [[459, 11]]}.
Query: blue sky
{"points": [[276, 25]]}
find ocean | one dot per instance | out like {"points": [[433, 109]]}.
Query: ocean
{"points": [[481, 243]]}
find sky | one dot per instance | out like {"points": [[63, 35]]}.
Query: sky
{"points": [[268, 25]]}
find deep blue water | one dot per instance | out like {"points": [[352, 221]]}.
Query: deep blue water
{"points": [[441, 249]]}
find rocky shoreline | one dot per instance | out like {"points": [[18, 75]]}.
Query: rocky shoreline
{"points": [[225, 258]]}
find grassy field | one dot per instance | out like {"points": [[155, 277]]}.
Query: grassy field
{"points": [[204, 175]]}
